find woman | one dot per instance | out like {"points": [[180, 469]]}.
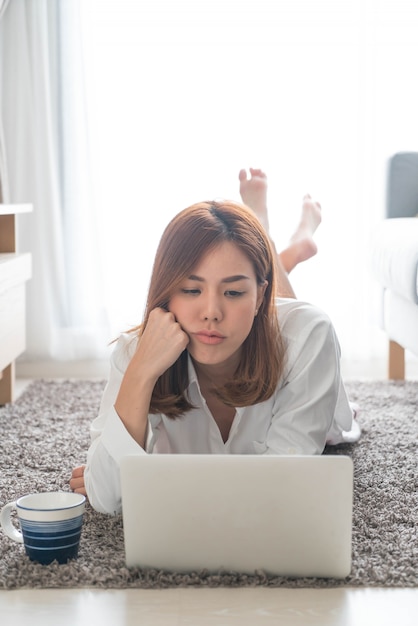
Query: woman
{"points": [[219, 364]]}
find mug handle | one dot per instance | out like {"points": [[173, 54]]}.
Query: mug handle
{"points": [[6, 523]]}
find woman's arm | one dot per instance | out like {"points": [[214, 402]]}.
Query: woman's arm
{"points": [[160, 346], [121, 427]]}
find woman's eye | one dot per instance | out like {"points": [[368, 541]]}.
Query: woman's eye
{"points": [[192, 292], [231, 293]]}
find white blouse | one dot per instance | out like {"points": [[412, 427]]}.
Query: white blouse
{"points": [[308, 409]]}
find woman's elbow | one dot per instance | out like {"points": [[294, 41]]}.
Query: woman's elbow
{"points": [[103, 496]]}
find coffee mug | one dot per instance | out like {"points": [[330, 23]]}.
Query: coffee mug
{"points": [[51, 524]]}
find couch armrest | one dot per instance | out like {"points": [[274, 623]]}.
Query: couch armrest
{"points": [[394, 256]]}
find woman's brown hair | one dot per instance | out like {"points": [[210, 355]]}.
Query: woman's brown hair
{"points": [[186, 239]]}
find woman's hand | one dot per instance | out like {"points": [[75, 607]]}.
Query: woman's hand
{"points": [[77, 480], [160, 345]]}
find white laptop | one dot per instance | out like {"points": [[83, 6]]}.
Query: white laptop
{"points": [[285, 515]]}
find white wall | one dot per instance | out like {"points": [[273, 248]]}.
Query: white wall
{"points": [[184, 94]]}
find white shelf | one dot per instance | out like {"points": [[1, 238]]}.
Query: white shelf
{"points": [[15, 270], [13, 209]]}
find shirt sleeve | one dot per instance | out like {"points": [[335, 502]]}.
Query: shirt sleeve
{"points": [[306, 401], [110, 440]]}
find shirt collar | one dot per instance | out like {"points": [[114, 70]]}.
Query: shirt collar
{"points": [[192, 373]]}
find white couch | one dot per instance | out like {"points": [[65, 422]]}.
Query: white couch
{"points": [[395, 261]]}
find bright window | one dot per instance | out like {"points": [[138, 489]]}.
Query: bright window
{"points": [[181, 95]]}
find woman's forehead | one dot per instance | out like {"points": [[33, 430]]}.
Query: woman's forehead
{"points": [[225, 258]]}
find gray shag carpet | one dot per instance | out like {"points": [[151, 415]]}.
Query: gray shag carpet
{"points": [[46, 433]]}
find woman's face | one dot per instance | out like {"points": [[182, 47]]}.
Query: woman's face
{"points": [[216, 306]]}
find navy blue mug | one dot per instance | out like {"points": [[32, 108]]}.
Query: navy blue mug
{"points": [[50, 523]]}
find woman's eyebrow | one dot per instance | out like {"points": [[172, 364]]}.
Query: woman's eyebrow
{"points": [[227, 279]]}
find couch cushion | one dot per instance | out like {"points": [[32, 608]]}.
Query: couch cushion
{"points": [[394, 256], [401, 321]]}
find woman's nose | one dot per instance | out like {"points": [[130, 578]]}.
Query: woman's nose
{"points": [[212, 309]]}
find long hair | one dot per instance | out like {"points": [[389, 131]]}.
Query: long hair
{"points": [[187, 238]]}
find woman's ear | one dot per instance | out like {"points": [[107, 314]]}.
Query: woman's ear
{"points": [[261, 291]]}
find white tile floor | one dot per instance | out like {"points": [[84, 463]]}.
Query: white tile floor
{"points": [[220, 607]]}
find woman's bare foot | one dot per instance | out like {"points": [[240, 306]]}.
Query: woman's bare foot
{"points": [[253, 193], [302, 246]]}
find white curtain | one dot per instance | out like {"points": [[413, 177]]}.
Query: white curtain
{"points": [[47, 151], [4, 177]]}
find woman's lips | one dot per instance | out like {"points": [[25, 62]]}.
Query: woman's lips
{"points": [[209, 338]]}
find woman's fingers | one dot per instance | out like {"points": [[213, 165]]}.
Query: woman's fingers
{"points": [[77, 480]]}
